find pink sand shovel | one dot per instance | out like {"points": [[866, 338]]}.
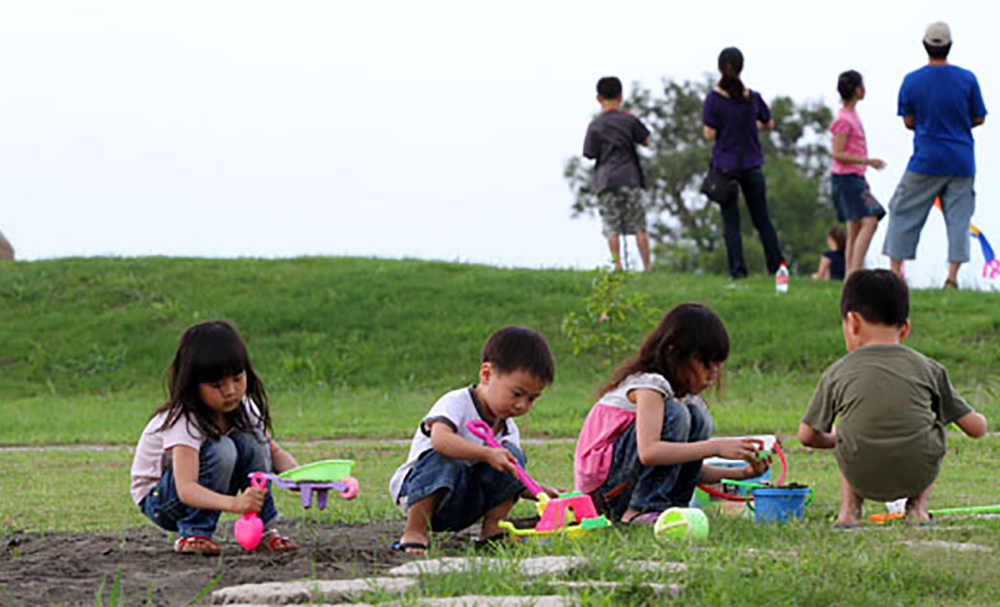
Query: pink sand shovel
{"points": [[249, 528], [482, 430]]}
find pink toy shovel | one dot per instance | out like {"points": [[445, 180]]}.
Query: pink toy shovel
{"points": [[485, 433], [249, 528]]}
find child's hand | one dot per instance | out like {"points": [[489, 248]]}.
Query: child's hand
{"points": [[501, 460], [552, 492], [756, 468], [251, 500], [738, 448], [876, 163]]}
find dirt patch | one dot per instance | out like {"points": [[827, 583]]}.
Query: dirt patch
{"points": [[67, 568]]}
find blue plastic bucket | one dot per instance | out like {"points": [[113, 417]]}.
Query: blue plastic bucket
{"points": [[780, 504]]}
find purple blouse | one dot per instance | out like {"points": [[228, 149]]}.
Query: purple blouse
{"points": [[735, 130]]}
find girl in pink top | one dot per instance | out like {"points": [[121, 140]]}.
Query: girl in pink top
{"points": [[199, 448], [851, 195], [642, 445]]}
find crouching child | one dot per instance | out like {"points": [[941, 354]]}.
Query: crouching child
{"points": [[451, 479], [891, 404]]}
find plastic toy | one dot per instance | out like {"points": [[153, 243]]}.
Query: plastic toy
{"points": [[249, 528], [318, 478], [748, 495], [891, 516], [557, 515], [775, 503]]}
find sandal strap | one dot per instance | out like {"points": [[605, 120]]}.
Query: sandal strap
{"points": [[275, 542], [196, 543]]}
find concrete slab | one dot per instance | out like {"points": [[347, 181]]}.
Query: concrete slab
{"points": [[284, 593], [530, 567], [769, 553], [650, 566], [660, 590], [494, 601], [943, 545]]}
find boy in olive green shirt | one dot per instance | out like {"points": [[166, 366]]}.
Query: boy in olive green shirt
{"points": [[891, 404]]}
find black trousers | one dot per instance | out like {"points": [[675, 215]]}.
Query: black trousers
{"points": [[755, 193]]}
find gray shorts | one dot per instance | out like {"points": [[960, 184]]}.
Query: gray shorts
{"points": [[622, 211], [912, 203]]}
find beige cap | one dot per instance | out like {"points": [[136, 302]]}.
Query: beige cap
{"points": [[938, 34]]}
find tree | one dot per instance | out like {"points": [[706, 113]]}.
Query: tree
{"points": [[686, 227]]}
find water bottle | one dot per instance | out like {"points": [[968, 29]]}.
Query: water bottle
{"points": [[781, 279]]}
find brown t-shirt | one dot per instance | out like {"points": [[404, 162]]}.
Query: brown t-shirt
{"points": [[891, 404]]}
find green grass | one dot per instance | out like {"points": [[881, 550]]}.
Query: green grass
{"points": [[361, 348], [85, 342]]}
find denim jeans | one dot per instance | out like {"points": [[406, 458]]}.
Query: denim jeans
{"points": [[631, 485], [755, 194], [224, 466], [471, 490]]}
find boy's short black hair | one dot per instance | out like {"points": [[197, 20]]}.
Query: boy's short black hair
{"points": [[513, 348], [937, 52], [609, 87], [879, 296]]}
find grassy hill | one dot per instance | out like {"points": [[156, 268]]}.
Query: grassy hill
{"points": [[362, 347]]}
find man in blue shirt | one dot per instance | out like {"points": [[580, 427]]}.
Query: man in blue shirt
{"points": [[941, 103]]}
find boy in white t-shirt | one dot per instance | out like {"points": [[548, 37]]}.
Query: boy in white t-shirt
{"points": [[451, 478]]}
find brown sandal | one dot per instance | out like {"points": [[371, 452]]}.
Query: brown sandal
{"points": [[197, 544], [272, 541]]}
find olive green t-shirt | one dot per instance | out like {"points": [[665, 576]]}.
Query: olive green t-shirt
{"points": [[891, 404]]}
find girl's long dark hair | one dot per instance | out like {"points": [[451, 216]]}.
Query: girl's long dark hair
{"points": [[687, 331], [731, 66], [208, 352], [837, 234]]}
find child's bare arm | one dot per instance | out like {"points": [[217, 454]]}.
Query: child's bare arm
{"points": [[281, 460], [186, 465], [653, 451], [973, 424], [447, 442], [810, 437]]}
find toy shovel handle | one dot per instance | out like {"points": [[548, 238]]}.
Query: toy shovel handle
{"points": [[482, 430], [258, 480]]}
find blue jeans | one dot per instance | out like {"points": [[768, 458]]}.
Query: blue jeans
{"points": [[224, 466], [754, 188], [631, 485], [471, 490]]}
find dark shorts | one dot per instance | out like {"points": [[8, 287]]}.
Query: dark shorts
{"points": [[853, 198], [471, 490]]}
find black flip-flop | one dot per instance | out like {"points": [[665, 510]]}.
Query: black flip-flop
{"points": [[407, 546]]}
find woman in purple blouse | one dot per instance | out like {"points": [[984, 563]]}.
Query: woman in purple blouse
{"points": [[732, 115]]}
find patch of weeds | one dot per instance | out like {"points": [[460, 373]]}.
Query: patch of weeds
{"points": [[114, 600], [208, 587]]}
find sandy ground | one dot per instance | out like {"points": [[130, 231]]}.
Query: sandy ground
{"points": [[67, 568]]}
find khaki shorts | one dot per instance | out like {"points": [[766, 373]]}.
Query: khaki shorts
{"points": [[622, 211]]}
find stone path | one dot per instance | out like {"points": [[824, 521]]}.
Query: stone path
{"points": [[943, 545], [404, 577]]}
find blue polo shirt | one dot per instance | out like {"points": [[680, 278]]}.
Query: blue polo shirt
{"points": [[943, 100]]}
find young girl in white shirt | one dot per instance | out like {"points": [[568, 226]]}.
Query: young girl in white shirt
{"points": [[197, 451], [642, 445]]}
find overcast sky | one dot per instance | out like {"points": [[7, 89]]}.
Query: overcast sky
{"points": [[403, 129]]}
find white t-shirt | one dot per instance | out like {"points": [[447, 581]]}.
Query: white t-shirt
{"points": [[152, 454], [455, 409]]}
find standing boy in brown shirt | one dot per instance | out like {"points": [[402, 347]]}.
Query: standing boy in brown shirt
{"points": [[892, 404]]}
